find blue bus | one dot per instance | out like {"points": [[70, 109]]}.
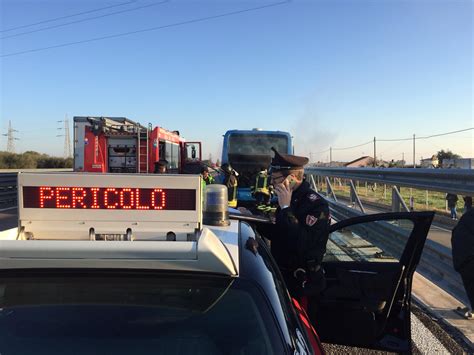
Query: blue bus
{"points": [[247, 151]]}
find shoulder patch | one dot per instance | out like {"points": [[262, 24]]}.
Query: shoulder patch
{"points": [[313, 197], [311, 220]]}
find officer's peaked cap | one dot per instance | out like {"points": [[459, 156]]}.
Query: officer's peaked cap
{"points": [[287, 161]]}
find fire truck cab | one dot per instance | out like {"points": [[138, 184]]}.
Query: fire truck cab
{"points": [[120, 145]]}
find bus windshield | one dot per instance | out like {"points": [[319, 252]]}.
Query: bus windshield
{"points": [[255, 144]]}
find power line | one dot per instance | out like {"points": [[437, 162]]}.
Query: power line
{"points": [[395, 140], [355, 146], [413, 139], [86, 19], [403, 139], [68, 16], [426, 137], [176, 24], [444, 134]]}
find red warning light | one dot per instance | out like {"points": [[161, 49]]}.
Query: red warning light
{"points": [[117, 198]]}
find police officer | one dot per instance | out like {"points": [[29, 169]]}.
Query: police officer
{"points": [[261, 190], [301, 229], [230, 180]]}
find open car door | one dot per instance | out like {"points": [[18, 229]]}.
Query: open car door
{"points": [[369, 266]]}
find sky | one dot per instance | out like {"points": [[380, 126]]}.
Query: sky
{"points": [[333, 73]]}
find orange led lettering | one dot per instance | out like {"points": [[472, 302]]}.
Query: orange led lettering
{"points": [[77, 196], [137, 204], [62, 193], [130, 199], [46, 193], [159, 202], [95, 191], [107, 199]]}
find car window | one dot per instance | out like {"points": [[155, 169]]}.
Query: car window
{"points": [[280, 286], [376, 241], [279, 283], [163, 315], [282, 292]]}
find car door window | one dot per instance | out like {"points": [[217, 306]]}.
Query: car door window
{"points": [[375, 241]]}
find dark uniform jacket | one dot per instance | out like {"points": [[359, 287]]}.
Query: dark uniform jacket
{"points": [[300, 232], [231, 182], [452, 199], [467, 201], [462, 241]]}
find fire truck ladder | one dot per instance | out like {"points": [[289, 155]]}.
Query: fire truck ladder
{"points": [[142, 149]]}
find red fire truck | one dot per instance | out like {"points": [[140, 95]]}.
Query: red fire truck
{"points": [[120, 145]]}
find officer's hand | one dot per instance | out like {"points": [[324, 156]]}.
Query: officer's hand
{"points": [[283, 191]]}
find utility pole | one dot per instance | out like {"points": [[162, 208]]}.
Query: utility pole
{"points": [[414, 165], [11, 138], [330, 156], [375, 152], [403, 159], [67, 138]]}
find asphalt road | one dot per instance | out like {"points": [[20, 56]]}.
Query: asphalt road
{"points": [[8, 219], [428, 337], [439, 233]]}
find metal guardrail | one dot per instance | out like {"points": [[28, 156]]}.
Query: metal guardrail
{"points": [[3, 171], [435, 263], [8, 184], [457, 181], [8, 190]]}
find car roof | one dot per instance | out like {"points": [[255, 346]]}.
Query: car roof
{"points": [[216, 250]]}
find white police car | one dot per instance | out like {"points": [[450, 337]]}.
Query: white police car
{"points": [[118, 264]]}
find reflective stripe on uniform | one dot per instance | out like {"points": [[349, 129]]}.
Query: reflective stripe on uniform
{"points": [[233, 201], [261, 184]]}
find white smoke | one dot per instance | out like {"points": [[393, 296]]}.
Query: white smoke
{"points": [[313, 134]]}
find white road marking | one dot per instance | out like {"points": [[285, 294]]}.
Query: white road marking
{"points": [[6, 209], [441, 228]]}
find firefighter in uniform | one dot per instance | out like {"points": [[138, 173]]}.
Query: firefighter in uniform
{"points": [[206, 177], [230, 180], [299, 235], [261, 190]]}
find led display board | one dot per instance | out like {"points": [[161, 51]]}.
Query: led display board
{"points": [[109, 198]]}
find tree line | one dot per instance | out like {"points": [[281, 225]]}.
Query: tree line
{"points": [[33, 160]]}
